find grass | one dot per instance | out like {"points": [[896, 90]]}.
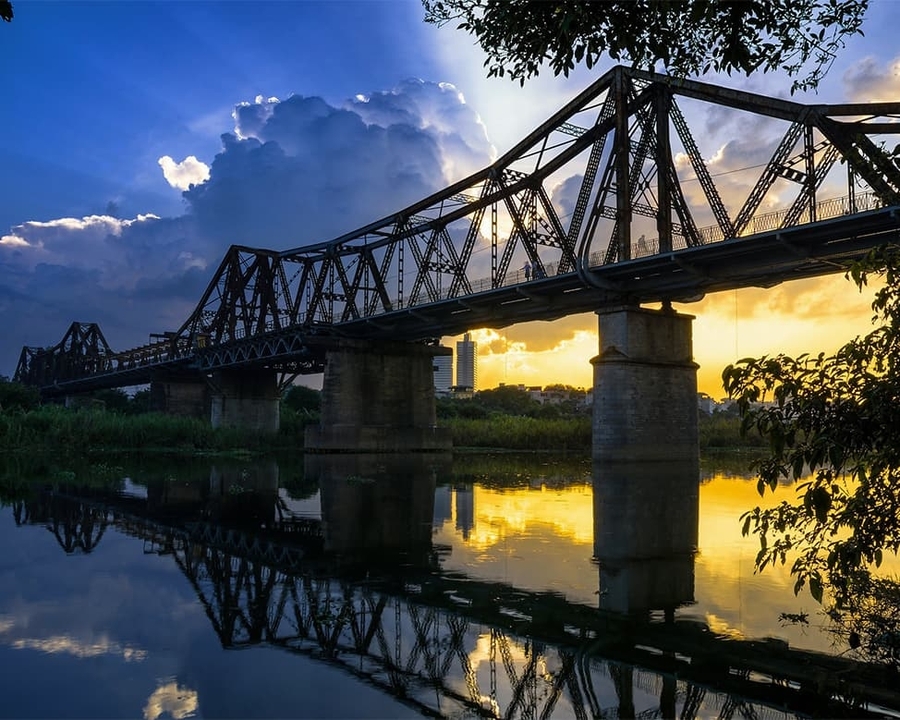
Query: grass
{"points": [[57, 429], [718, 432]]}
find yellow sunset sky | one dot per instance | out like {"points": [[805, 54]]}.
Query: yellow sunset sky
{"points": [[817, 315]]}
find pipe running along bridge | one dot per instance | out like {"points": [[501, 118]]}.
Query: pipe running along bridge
{"points": [[612, 204]]}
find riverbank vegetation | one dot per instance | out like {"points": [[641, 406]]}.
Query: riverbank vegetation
{"points": [[510, 418], [502, 418], [111, 420]]}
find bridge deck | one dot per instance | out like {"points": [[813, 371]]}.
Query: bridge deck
{"points": [[685, 275]]}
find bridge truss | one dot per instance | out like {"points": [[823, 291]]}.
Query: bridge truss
{"points": [[609, 201]]}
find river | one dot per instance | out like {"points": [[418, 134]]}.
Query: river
{"points": [[382, 587]]}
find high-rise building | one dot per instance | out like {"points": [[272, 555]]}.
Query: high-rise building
{"points": [[467, 364], [443, 374]]}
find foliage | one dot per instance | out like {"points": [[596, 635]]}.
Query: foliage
{"points": [[722, 430], [871, 630], [15, 396], [303, 400], [113, 400], [688, 37], [58, 429], [522, 433], [507, 399], [833, 427], [140, 402], [512, 400]]}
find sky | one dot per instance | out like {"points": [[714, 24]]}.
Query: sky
{"points": [[140, 140]]}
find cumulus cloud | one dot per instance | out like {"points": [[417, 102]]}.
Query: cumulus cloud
{"points": [[14, 241], [293, 171], [300, 170], [183, 175], [441, 110], [868, 81], [122, 251], [133, 276]]}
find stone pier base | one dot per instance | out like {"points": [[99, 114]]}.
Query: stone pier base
{"points": [[185, 396], [246, 398], [378, 397], [645, 387]]}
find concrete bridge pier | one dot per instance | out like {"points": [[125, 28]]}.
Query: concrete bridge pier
{"points": [[646, 459], [645, 387], [246, 398], [378, 397], [179, 394]]}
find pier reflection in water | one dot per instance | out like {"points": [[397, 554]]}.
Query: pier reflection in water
{"points": [[645, 534], [392, 586]]}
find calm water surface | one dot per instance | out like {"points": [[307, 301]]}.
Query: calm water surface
{"points": [[382, 587]]}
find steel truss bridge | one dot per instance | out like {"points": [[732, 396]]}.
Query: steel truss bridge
{"points": [[610, 201], [451, 645]]}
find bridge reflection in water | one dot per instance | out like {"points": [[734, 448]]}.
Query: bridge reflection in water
{"points": [[362, 587]]}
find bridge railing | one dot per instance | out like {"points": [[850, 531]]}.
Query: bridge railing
{"points": [[643, 247], [155, 353], [766, 222]]}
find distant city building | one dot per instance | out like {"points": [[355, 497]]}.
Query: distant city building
{"points": [[706, 404], [443, 374], [467, 364]]}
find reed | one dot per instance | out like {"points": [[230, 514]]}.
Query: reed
{"points": [[57, 429], [573, 434], [522, 433]]}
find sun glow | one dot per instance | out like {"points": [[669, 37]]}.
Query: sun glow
{"points": [[804, 316]]}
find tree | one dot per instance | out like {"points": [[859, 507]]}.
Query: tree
{"points": [[833, 427], [15, 396], [687, 37], [507, 399], [140, 402], [302, 399], [113, 399]]}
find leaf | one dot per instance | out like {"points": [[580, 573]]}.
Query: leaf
{"points": [[816, 589]]}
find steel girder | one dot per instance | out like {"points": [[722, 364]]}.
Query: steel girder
{"points": [[611, 178], [82, 351], [627, 146]]}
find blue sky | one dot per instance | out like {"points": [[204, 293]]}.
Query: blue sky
{"points": [[103, 105]]}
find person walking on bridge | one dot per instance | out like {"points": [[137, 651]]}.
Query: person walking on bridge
{"points": [[527, 268]]}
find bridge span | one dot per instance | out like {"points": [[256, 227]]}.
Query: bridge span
{"points": [[610, 202]]}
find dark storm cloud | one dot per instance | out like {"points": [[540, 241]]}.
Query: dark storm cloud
{"points": [[293, 172], [132, 277], [300, 171]]}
